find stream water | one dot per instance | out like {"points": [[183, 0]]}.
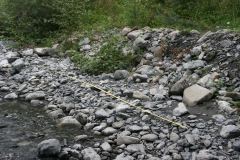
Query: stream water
{"points": [[23, 126]]}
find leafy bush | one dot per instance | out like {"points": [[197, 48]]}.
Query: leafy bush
{"points": [[108, 59]]}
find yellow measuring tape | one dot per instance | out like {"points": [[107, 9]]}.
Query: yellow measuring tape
{"points": [[112, 95]]}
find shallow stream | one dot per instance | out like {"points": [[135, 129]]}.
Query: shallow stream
{"points": [[23, 126]]}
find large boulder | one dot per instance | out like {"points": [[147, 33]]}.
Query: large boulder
{"points": [[50, 147], [196, 94], [90, 154]]}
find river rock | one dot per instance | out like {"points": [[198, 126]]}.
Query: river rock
{"points": [[174, 137], [123, 157], [70, 122], [230, 131], [90, 154], [11, 96], [81, 138], [109, 131], [236, 146], [36, 95], [120, 74], [196, 94], [139, 43], [179, 87], [180, 110], [122, 107], [149, 137], [121, 139], [101, 114], [205, 155], [106, 147], [50, 147], [18, 64], [42, 51]]}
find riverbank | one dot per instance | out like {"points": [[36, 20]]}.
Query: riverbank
{"points": [[200, 70]]}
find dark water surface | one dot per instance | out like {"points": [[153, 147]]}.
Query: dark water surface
{"points": [[23, 126]]}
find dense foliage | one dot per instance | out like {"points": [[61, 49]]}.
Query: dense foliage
{"points": [[37, 20]]}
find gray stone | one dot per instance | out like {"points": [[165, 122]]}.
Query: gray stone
{"points": [[122, 107], [123, 157], [236, 146], [225, 106], [81, 138], [179, 87], [11, 96], [101, 114], [230, 131], [126, 30], [219, 118], [56, 114], [180, 110], [27, 52], [118, 124], [121, 139], [194, 64], [190, 138], [141, 96], [90, 154], [165, 157], [70, 122], [18, 64], [4, 64], [42, 51], [196, 94], [85, 41], [12, 56], [144, 69], [106, 147], [36, 95], [143, 77], [205, 155], [134, 34], [50, 147], [135, 128], [139, 43], [136, 147], [226, 43], [205, 37], [82, 118], [174, 137], [173, 34], [109, 131], [120, 74], [196, 50], [234, 95], [149, 137]]}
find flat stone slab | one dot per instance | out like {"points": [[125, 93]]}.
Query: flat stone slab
{"points": [[196, 94]]}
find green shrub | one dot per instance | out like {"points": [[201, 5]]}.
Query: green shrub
{"points": [[108, 59]]}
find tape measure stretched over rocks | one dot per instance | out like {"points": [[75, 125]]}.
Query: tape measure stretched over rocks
{"points": [[112, 95]]}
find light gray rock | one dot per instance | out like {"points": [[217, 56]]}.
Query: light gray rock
{"points": [[11, 96], [180, 110], [165, 157], [109, 131], [149, 137], [4, 64], [122, 107], [81, 138], [120, 74], [135, 128], [196, 94], [36, 95], [12, 56], [42, 51], [18, 64], [190, 138], [205, 37], [174, 137], [144, 69], [143, 77], [179, 87], [106, 147], [205, 155], [230, 131], [101, 114], [85, 41], [136, 147], [194, 64], [123, 157], [219, 118], [56, 114], [141, 96], [121, 139], [196, 50], [126, 30], [27, 52], [225, 106], [70, 122], [139, 43], [50, 147], [173, 34], [90, 154], [134, 34]]}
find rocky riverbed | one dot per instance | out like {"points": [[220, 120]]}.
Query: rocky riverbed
{"points": [[185, 77]]}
